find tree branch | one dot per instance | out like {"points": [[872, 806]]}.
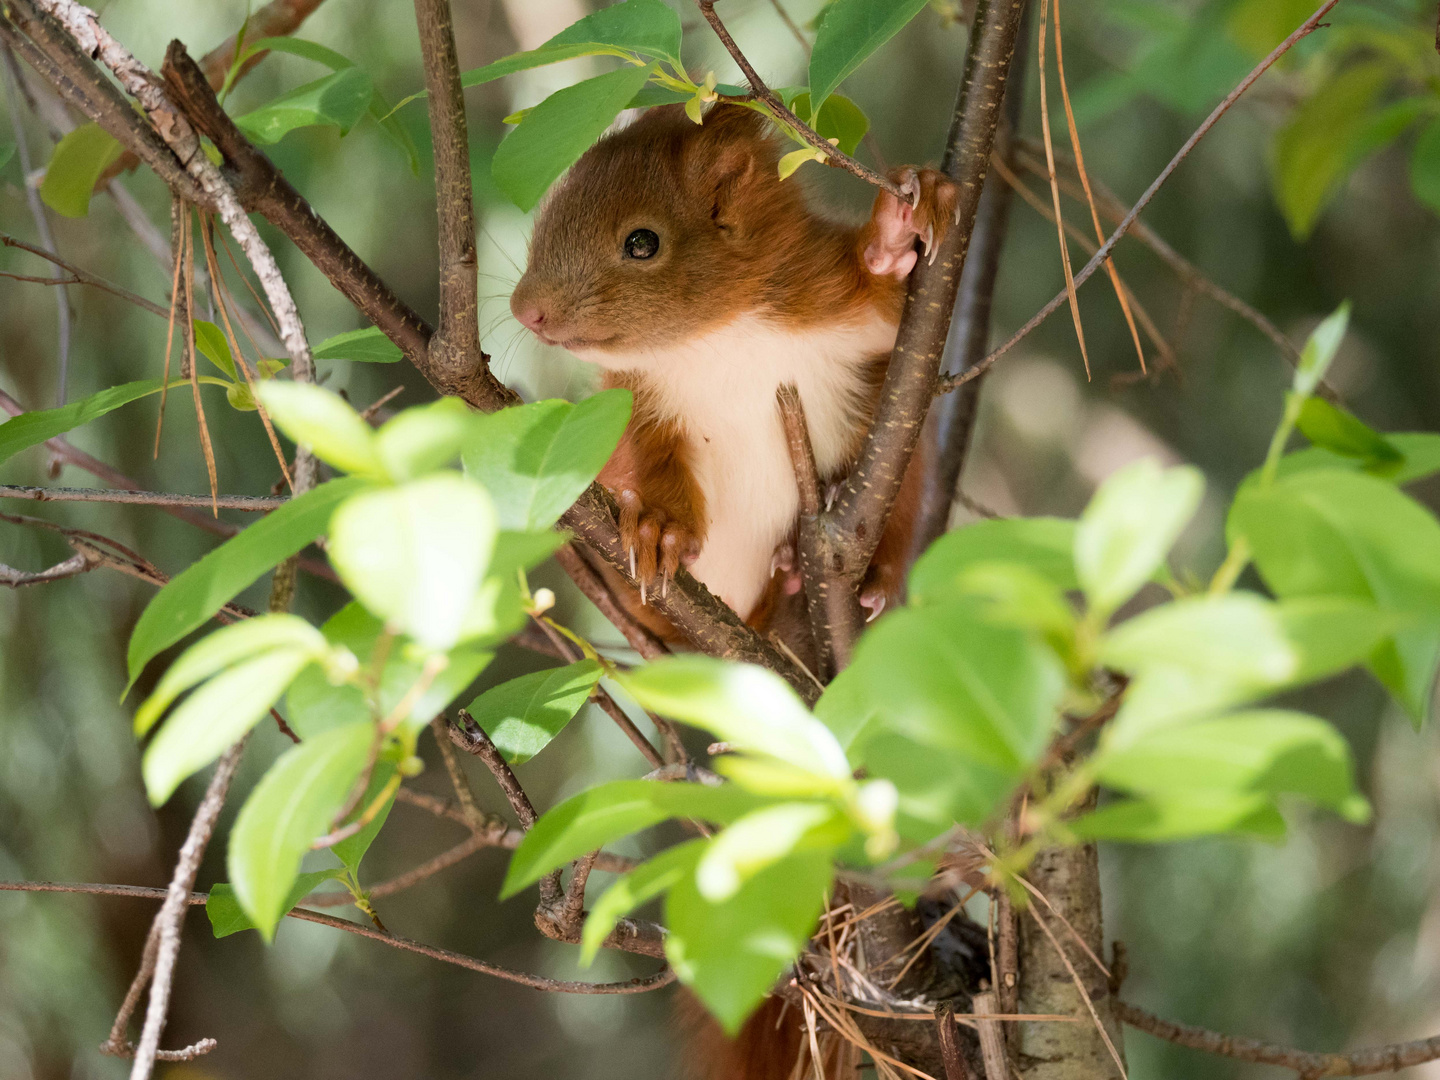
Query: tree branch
{"points": [[251, 503], [1306, 28], [914, 369], [1308, 1064]]}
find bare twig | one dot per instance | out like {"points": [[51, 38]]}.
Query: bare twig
{"points": [[194, 899], [470, 737], [772, 102], [79, 276], [1306, 28], [1308, 1064], [253, 503]]}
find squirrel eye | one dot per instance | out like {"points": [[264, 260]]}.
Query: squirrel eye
{"points": [[642, 244]]}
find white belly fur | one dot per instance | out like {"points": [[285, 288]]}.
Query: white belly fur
{"points": [[721, 389]]}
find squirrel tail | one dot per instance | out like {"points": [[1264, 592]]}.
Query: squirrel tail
{"points": [[772, 1045]]}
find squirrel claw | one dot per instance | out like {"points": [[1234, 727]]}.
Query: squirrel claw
{"points": [[895, 224], [657, 545]]}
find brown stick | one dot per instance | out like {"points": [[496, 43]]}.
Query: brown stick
{"points": [[1308, 1064], [253, 503], [914, 369], [1306, 28]]}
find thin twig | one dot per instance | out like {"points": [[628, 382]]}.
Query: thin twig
{"points": [[79, 276], [772, 102], [252, 503], [195, 899], [1306, 28], [1308, 1064]]}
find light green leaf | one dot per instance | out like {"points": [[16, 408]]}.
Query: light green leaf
{"points": [[228, 917], [1342, 533], [1343, 433], [1181, 816], [353, 848], [368, 345], [32, 428], [210, 340], [424, 438], [730, 953], [195, 594], [793, 160], [849, 32], [537, 459], [1320, 349], [337, 100], [316, 705], [294, 804], [594, 818], [1329, 135], [75, 167], [1128, 529], [310, 50], [644, 883], [524, 714], [226, 646], [416, 556], [556, 132], [747, 706], [762, 839], [1271, 751], [215, 716], [1419, 450], [1044, 544], [840, 119], [1425, 166], [322, 420]]}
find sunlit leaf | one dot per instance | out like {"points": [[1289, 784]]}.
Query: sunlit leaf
{"points": [[523, 714], [228, 917], [77, 164], [337, 100], [368, 345], [644, 883], [849, 33], [322, 420], [424, 438]]}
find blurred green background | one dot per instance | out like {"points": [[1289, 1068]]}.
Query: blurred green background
{"points": [[1329, 940]]}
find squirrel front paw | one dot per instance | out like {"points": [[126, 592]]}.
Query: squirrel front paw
{"points": [[896, 223], [657, 544]]}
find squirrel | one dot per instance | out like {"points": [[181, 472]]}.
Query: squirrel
{"points": [[674, 257]]}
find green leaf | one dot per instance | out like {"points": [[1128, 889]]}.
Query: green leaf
{"points": [[556, 132], [1425, 166], [1200, 654], [1272, 751], [1128, 529], [730, 953], [32, 428], [1329, 135], [946, 677], [210, 340], [537, 459], [416, 556], [368, 345], [762, 839], [524, 714], [647, 27], [204, 587], [215, 716], [594, 818], [310, 50], [322, 420], [644, 883], [1419, 451], [424, 438], [226, 646], [75, 167], [228, 917], [1044, 544], [840, 119], [316, 705], [849, 32], [337, 100], [1181, 816], [1320, 349], [747, 706], [1343, 433], [294, 804], [353, 848], [937, 785], [1341, 533]]}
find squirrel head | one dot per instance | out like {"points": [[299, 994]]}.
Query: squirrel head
{"points": [[661, 231]]}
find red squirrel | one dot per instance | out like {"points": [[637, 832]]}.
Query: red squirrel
{"points": [[674, 257]]}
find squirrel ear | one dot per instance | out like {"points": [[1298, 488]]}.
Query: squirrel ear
{"points": [[731, 152]]}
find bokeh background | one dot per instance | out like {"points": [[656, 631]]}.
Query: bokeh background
{"points": [[1329, 940]]}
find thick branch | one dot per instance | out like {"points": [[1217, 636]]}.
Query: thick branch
{"points": [[1306, 28], [914, 368], [455, 348], [1308, 1064]]}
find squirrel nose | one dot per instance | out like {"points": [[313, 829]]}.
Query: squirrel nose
{"points": [[531, 315]]}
